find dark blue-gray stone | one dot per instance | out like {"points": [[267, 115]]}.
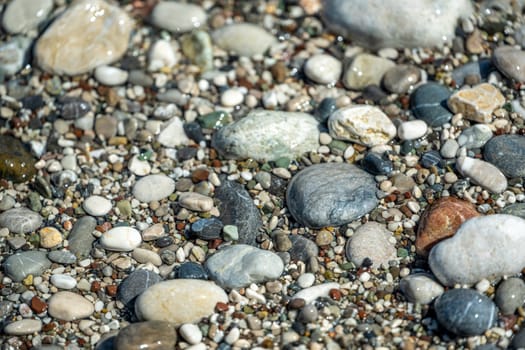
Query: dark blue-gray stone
{"points": [[20, 265], [207, 229], [62, 257], [510, 295], [136, 283], [507, 153], [406, 147], [516, 209], [191, 270], [478, 70], [20, 220], [518, 342], [325, 109], [302, 248], [330, 194], [377, 164], [237, 208], [430, 159], [429, 103], [194, 131], [81, 237], [71, 108], [465, 312]]}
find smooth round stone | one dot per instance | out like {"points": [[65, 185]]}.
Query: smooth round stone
{"points": [[510, 295], [244, 39], [7, 202], [420, 288], [190, 333], [121, 239], [310, 294], [20, 265], [136, 283], [412, 130], [195, 201], [323, 69], [16, 164], [302, 248], [483, 247], [279, 134], [63, 281], [429, 103], [50, 237], [308, 314], [21, 16], [475, 137], [465, 312], [179, 301], [146, 335], [516, 209], [401, 78], [232, 97], [507, 153], [306, 280], [377, 164], [240, 265], [518, 342], [88, 34], [449, 149], [97, 205], [373, 241], [153, 188], [482, 173], [191, 270], [23, 327], [138, 166], [81, 238], [330, 195], [110, 76], [145, 256], [395, 24], [366, 70], [161, 55], [173, 134], [511, 62], [177, 17], [68, 306], [20, 220], [325, 109], [14, 54], [430, 159], [62, 257]]}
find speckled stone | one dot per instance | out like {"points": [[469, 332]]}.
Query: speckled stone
{"points": [[482, 173], [136, 283], [511, 62], [244, 39], [477, 103], [420, 288], [330, 195], [20, 220], [507, 153], [510, 295], [18, 266], [429, 103], [483, 247], [151, 335], [16, 164], [373, 241], [465, 312]]}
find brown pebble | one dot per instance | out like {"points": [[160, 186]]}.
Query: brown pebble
{"points": [[296, 304], [335, 294], [38, 305], [221, 307], [95, 286], [199, 175], [279, 71], [111, 290]]}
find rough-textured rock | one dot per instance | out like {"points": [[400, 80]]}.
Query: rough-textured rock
{"points": [[429, 103], [244, 39], [483, 247], [20, 220], [373, 241], [511, 62], [154, 335], [420, 288], [507, 153], [441, 220], [477, 103], [482, 173], [16, 164], [363, 124], [278, 134], [365, 70], [330, 195], [88, 34]]}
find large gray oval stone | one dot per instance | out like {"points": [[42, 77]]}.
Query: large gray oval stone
{"points": [[20, 265], [331, 194], [507, 153], [20, 220]]}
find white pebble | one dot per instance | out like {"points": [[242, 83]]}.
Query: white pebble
{"points": [[110, 76], [412, 130], [310, 294], [97, 205], [232, 336], [121, 239], [232, 97], [306, 280], [139, 167], [190, 333], [323, 69], [161, 55], [63, 281]]}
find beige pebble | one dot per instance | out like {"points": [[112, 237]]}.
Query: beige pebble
{"points": [[195, 201], [50, 237]]}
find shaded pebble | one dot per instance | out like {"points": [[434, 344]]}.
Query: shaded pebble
{"points": [[510, 295], [310, 294], [16, 164], [14, 54], [23, 327], [172, 133], [429, 103], [476, 103], [472, 71], [121, 239], [308, 313], [177, 16], [71, 108], [377, 164], [449, 149], [20, 220], [97, 205], [325, 109], [323, 69], [511, 62], [20, 265], [306, 280], [371, 241], [516, 209], [240, 265], [507, 153], [366, 70], [62, 257], [68, 306], [191, 270], [80, 238], [153, 188], [302, 249], [401, 78], [161, 55], [195, 201], [134, 284], [482, 173], [244, 39], [207, 229], [420, 288], [475, 137], [146, 335]]}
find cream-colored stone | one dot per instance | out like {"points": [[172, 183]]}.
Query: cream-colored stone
{"points": [[50, 237], [365, 70], [68, 306], [477, 103], [195, 201], [482, 173], [366, 125], [88, 34]]}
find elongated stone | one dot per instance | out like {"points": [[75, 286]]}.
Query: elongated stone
{"points": [[482, 173]]}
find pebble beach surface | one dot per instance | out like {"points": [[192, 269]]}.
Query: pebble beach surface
{"points": [[266, 174]]}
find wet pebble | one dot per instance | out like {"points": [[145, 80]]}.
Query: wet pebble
{"points": [[207, 229], [323, 69], [507, 153], [191, 270], [401, 78], [510, 295], [177, 16], [63, 281], [420, 288], [475, 137], [190, 333], [428, 103], [366, 70], [377, 164], [20, 220], [511, 62]]}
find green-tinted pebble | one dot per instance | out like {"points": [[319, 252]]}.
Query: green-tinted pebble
{"points": [[16, 164], [338, 147], [230, 232], [266, 167], [214, 120], [34, 202], [402, 252], [283, 162], [53, 86], [198, 48], [124, 206]]}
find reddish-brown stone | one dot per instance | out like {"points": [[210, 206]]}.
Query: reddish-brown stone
{"points": [[199, 175], [38, 305], [441, 220], [111, 290]]}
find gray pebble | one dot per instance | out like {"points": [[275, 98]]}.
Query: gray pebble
{"points": [[429, 103], [81, 238], [20, 265], [507, 153], [510, 295], [136, 283], [308, 314], [20, 220]]}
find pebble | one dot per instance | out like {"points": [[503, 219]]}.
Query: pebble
{"points": [[378, 24], [71, 108], [198, 48], [465, 312], [310, 294], [377, 164], [412, 130], [134, 284], [516, 209], [20, 265], [518, 342], [81, 238], [330, 195], [13, 55], [323, 69], [279, 134], [23, 327], [161, 55], [64, 257], [190, 333], [483, 247], [20, 220], [475, 137], [230, 233], [110, 76], [191, 270], [144, 256], [511, 62], [146, 335], [428, 103], [363, 124], [69, 306], [441, 220], [121, 239], [179, 301], [21, 16], [207, 229], [482, 173], [139, 166], [449, 149], [173, 134], [240, 265], [232, 97], [153, 188], [507, 153], [244, 39], [306, 280], [420, 288], [373, 241], [510, 295], [97, 205], [401, 78], [308, 314], [68, 46], [366, 70], [477, 103], [302, 249], [63, 281], [477, 71], [177, 17], [16, 164], [195, 201]]}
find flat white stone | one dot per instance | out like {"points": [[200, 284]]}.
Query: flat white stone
{"points": [[97, 205], [63, 281], [173, 134], [121, 239], [195, 201], [138, 166], [310, 294], [68, 306], [178, 17], [482, 173], [323, 69], [153, 188], [244, 39], [23, 327], [412, 130], [191, 333], [161, 55], [110, 76], [420, 288], [483, 247]]}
